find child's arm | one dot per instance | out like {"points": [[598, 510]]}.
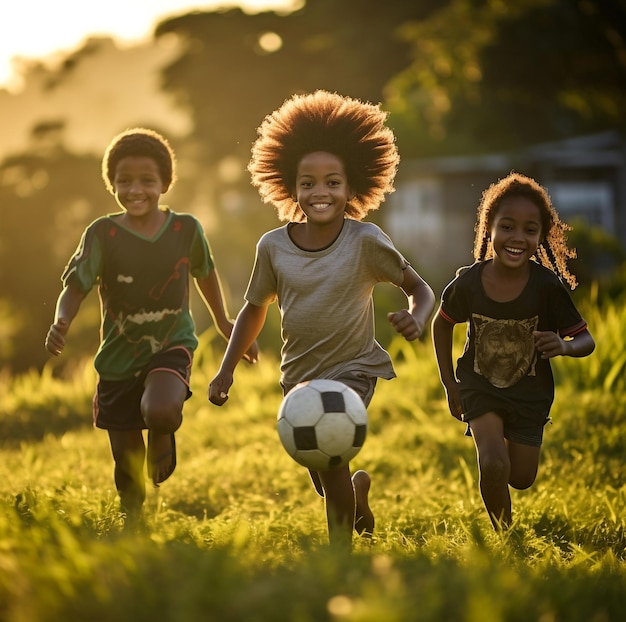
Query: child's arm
{"points": [[248, 325], [443, 331], [210, 290], [551, 344], [411, 323], [68, 303]]}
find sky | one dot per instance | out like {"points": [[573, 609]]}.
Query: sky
{"points": [[43, 29]]}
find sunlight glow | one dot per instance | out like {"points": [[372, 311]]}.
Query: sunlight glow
{"points": [[44, 30], [270, 42]]}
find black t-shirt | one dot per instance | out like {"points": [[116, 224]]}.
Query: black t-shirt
{"points": [[500, 359]]}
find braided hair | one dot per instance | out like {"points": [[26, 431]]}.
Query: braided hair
{"points": [[352, 130], [553, 251]]}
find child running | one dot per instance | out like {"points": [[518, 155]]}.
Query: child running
{"points": [[519, 316], [324, 161], [142, 259]]}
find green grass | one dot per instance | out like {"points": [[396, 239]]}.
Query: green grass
{"points": [[239, 534]]}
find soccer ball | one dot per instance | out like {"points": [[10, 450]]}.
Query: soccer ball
{"points": [[322, 424]]}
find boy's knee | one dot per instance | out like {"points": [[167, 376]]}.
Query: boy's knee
{"points": [[162, 418], [522, 481]]}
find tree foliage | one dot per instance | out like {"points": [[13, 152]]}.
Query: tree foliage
{"points": [[230, 81], [491, 75], [46, 198], [457, 75]]}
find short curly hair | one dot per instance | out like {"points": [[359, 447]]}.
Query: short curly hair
{"points": [[350, 129], [553, 251], [139, 142]]}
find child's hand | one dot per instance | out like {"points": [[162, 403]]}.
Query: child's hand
{"points": [[549, 344], [405, 324], [454, 401], [252, 355], [218, 388], [55, 340]]}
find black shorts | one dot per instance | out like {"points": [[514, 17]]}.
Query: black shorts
{"points": [[525, 428], [117, 403]]}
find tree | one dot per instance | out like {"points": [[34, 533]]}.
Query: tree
{"points": [[237, 68], [46, 196], [489, 75]]}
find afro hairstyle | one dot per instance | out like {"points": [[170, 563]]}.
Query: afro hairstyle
{"points": [[350, 129]]}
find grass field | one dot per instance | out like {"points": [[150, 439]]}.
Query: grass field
{"points": [[239, 534]]}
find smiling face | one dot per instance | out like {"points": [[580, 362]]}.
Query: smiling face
{"points": [[515, 232], [322, 189], [138, 186]]}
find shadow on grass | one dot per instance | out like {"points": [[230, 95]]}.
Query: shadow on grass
{"points": [[34, 425]]}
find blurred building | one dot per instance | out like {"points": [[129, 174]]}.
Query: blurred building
{"points": [[431, 215]]}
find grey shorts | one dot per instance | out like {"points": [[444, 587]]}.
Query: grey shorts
{"points": [[360, 383]]}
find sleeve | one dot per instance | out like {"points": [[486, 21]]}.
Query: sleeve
{"points": [[566, 316], [389, 263], [263, 285], [201, 258], [455, 300], [85, 266]]}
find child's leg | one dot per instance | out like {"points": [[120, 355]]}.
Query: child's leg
{"points": [[162, 411], [494, 467], [364, 519], [128, 451], [524, 465], [340, 504]]}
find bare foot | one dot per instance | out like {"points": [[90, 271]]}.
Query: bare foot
{"points": [[364, 523], [161, 457]]}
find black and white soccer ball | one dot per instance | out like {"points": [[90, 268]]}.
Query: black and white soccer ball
{"points": [[322, 424]]}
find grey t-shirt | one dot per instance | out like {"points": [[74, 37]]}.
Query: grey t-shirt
{"points": [[325, 300]]}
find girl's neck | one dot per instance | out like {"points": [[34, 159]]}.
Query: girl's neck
{"points": [[312, 237], [503, 284]]}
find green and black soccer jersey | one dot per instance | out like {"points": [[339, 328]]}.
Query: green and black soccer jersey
{"points": [[144, 288]]}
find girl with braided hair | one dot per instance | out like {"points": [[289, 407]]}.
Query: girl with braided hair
{"points": [[519, 316], [324, 161]]}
